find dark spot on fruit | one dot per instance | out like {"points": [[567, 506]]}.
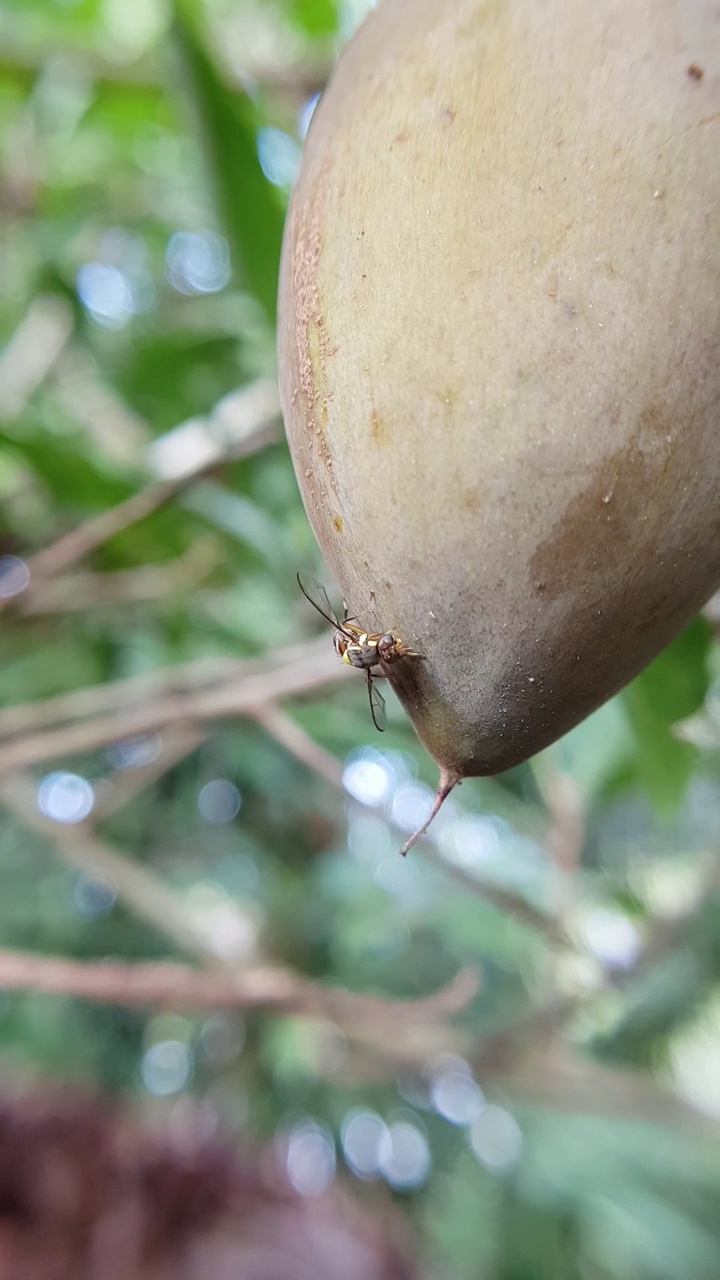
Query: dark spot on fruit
{"points": [[604, 518], [377, 428], [470, 501], [337, 524], [695, 72]]}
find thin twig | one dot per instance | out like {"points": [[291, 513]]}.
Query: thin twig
{"points": [[117, 431], [136, 886], [80, 591], [180, 987], [93, 700], [565, 835], [33, 349], [295, 740], [290, 735], [504, 900], [80, 541], [296, 671], [554, 1076]]}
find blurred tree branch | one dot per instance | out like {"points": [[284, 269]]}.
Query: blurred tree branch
{"points": [[86, 537], [27, 358], [294, 739], [137, 887], [80, 591], [290, 671], [174, 986]]}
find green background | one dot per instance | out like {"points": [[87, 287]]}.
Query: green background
{"points": [[582, 888]]}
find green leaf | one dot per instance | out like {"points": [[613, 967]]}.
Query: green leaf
{"points": [[316, 17], [669, 690], [590, 752], [246, 202], [174, 374]]}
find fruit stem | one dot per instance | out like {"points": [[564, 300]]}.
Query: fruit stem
{"points": [[448, 780]]}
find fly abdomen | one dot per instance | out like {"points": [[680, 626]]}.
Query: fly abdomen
{"points": [[362, 653]]}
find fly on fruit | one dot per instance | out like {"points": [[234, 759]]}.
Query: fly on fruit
{"points": [[358, 648]]}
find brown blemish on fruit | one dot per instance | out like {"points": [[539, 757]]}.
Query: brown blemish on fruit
{"points": [[337, 524], [470, 501], [653, 419], [378, 431], [600, 522], [553, 284], [695, 72]]}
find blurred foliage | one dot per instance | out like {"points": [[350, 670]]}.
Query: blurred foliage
{"points": [[146, 153]]}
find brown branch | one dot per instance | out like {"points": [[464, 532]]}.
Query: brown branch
{"points": [[31, 352], [296, 671], [116, 430], [79, 591], [239, 425], [92, 700], [136, 886], [554, 1076], [504, 900], [295, 740], [180, 987], [290, 735], [565, 835], [92, 533]]}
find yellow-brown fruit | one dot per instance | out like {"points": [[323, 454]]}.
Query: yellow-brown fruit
{"points": [[500, 350]]}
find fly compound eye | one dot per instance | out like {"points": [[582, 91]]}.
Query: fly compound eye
{"points": [[386, 646]]}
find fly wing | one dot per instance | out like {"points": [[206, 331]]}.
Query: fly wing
{"points": [[318, 597], [377, 703]]}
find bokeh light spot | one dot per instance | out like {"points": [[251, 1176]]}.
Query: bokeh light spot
{"points": [[106, 293], [368, 777], [14, 576], [166, 1067], [219, 801], [408, 1162], [310, 1158], [306, 113], [133, 753], [366, 1143], [279, 156], [457, 1097], [94, 895], [612, 938], [496, 1139], [65, 797], [197, 262], [411, 805]]}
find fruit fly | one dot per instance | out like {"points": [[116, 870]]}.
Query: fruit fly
{"points": [[357, 647]]}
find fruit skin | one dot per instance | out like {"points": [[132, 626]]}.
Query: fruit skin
{"points": [[499, 350]]}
